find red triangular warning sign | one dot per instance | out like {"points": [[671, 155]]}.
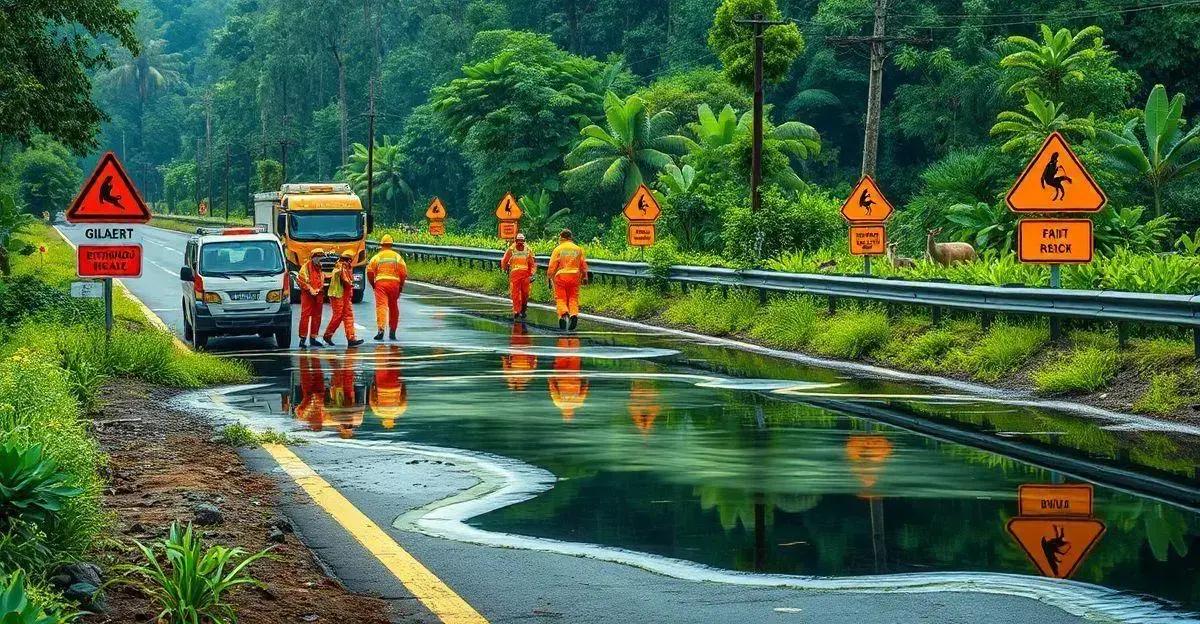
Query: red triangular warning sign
{"points": [[108, 196]]}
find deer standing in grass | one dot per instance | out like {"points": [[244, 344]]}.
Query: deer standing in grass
{"points": [[947, 254], [898, 261]]}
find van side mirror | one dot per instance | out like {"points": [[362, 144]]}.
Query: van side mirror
{"points": [[370, 223], [281, 224], [186, 274]]}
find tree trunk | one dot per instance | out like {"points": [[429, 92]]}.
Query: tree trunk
{"points": [[342, 113]]}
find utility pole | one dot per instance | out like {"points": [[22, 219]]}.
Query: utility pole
{"points": [[227, 183], [284, 142], [760, 24], [196, 180], [208, 180], [371, 151]]}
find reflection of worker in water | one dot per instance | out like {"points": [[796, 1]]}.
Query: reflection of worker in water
{"points": [[568, 386], [1051, 178], [865, 201], [518, 364], [643, 404], [311, 408], [388, 397], [106, 194], [344, 408]]}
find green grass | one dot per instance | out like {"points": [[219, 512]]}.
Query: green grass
{"points": [[1085, 369], [928, 351], [1167, 394], [1000, 351], [852, 334], [1160, 354], [786, 322], [709, 312], [239, 435]]}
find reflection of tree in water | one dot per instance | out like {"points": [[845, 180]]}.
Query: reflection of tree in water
{"points": [[735, 506]]}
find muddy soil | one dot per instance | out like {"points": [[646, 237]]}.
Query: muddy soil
{"points": [[164, 463]]}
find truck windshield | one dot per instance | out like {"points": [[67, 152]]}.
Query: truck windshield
{"points": [[240, 258], [342, 225]]}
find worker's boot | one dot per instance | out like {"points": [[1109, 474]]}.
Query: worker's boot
{"points": [[328, 340], [524, 310], [315, 342], [353, 343], [562, 323], [379, 336], [391, 335], [574, 322], [303, 344]]}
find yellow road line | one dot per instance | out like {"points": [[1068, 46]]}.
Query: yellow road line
{"points": [[448, 606]]}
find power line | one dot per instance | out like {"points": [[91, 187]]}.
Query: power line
{"points": [[1028, 18]]}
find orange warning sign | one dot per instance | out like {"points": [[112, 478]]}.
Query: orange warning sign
{"points": [[436, 210], [1055, 241], [1056, 181], [1056, 546], [437, 227], [641, 234], [202, 209], [1039, 499], [108, 196], [508, 230], [642, 206], [868, 240], [867, 204], [508, 208]]}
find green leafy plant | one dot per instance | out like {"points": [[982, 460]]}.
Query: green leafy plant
{"points": [[1080, 370], [85, 376], [1026, 132], [1124, 229], [1168, 153], [31, 488], [1189, 243], [17, 608], [539, 219], [1050, 63], [986, 226], [195, 583]]}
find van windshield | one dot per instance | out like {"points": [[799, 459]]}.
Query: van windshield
{"points": [[240, 258], [339, 225]]}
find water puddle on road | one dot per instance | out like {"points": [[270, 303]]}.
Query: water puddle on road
{"points": [[736, 461]]}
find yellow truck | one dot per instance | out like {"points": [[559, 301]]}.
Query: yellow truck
{"points": [[307, 216]]}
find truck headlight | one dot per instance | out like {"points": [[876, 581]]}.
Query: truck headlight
{"points": [[212, 297], [276, 296]]}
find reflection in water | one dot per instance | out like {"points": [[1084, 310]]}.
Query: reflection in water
{"points": [[327, 405], [568, 387], [519, 362], [867, 454], [643, 404], [388, 396]]}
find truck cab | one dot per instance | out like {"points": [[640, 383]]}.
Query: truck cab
{"points": [[309, 216]]}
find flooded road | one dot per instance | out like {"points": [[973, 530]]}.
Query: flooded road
{"points": [[652, 443]]}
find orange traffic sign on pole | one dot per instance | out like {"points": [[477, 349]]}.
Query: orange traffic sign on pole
{"points": [[437, 227], [868, 240], [641, 234], [508, 208], [436, 210], [1056, 181], [108, 196], [1055, 241], [867, 204], [508, 229], [642, 206], [1056, 546], [1037, 499]]}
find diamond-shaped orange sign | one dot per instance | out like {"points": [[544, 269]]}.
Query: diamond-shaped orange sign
{"points": [[108, 196], [642, 206], [1056, 181], [508, 209], [1056, 546], [436, 210], [867, 204]]}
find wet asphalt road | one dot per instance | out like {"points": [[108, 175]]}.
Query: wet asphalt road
{"points": [[510, 585]]}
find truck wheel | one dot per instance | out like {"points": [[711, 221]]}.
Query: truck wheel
{"points": [[199, 339], [283, 338], [358, 295], [187, 327]]}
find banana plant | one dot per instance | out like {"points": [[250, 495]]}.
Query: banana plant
{"points": [[539, 219], [1165, 152], [1026, 131]]}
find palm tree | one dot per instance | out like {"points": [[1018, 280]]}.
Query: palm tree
{"points": [[540, 220], [1046, 65], [793, 137], [389, 184], [1026, 132], [631, 148], [1168, 154], [151, 70]]}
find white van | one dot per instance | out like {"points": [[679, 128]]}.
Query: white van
{"points": [[235, 283]]}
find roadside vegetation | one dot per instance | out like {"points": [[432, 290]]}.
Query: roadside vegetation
{"points": [[54, 364], [1013, 351]]}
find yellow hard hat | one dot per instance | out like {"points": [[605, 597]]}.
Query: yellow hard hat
{"points": [[348, 254], [386, 240]]}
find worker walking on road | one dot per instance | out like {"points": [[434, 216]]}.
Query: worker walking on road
{"points": [[312, 299], [386, 273], [519, 263], [341, 299], [568, 270]]}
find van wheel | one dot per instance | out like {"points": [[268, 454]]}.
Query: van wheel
{"points": [[187, 327], [199, 339], [358, 295], [283, 338]]}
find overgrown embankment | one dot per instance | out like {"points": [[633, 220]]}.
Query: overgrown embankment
{"points": [[1156, 374]]}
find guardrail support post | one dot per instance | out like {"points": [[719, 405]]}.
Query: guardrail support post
{"points": [[762, 296], [936, 312], [832, 306], [1196, 342], [985, 320], [1056, 331], [683, 288], [724, 291], [1122, 334]]}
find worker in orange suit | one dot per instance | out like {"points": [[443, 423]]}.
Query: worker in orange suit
{"points": [[568, 386], [312, 299], [568, 270], [341, 300], [388, 396], [519, 263], [386, 273], [518, 364], [345, 410], [311, 408]]}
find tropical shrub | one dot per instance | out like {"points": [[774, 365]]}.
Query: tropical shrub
{"points": [[16, 606], [806, 221], [31, 488]]}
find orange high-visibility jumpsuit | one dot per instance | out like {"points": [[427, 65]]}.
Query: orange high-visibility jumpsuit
{"points": [[311, 408], [312, 299], [568, 267], [386, 273], [341, 300], [643, 404], [345, 412], [518, 365], [520, 265], [388, 397], [568, 387]]}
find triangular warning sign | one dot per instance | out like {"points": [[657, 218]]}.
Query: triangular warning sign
{"points": [[1056, 181], [108, 196], [508, 208], [436, 210], [867, 204], [642, 206], [1056, 546]]}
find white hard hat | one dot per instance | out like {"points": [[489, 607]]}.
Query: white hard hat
{"points": [[520, 237]]}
